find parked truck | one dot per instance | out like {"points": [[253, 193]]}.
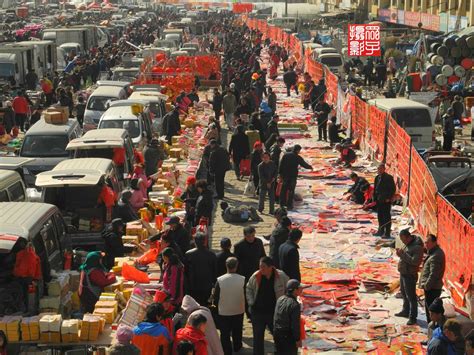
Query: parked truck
{"points": [[85, 36], [16, 59]]}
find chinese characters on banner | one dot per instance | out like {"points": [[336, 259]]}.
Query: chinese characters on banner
{"points": [[364, 40]]}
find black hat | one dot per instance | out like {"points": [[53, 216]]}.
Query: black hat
{"points": [[437, 306], [293, 284]]}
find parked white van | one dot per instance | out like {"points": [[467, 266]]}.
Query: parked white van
{"points": [[98, 103], [414, 117], [333, 61], [123, 116]]}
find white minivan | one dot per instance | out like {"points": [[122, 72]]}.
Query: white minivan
{"points": [[414, 117], [98, 102], [122, 115]]}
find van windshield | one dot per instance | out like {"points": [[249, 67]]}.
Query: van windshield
{"points": [[45, 146], [412, 117], [332, 61], [132, 126], [98, 103]]}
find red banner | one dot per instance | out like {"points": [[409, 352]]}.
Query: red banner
{"points": [[359, 118], [412, 18]]}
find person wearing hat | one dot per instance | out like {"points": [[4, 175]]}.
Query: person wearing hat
{"points": [[444, 339], [153, 154], [288, 174], [286, 320], [431, 276], [113, 243], [124, 209], [229, 297], [124, 345], [178, 233], [223, 255], [219, 164], [9, 118], [436, 316], [448, 129], [94, 278]]}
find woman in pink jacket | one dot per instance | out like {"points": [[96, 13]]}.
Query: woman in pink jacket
{"points": [[139, 173], [173, 276]]}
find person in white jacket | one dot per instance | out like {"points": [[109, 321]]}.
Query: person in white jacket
{"points": [[190, 306]]}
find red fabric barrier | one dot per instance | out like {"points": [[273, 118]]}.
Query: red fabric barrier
{"points": [[332, 86], [359, 118], [456, 237], [314, 68], [422, 195], [377, 128], [398, 155]]}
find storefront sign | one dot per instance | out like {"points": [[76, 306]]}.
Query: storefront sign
{"points": [[364, 40], [384, 15], [401, 17], [412, 18]]}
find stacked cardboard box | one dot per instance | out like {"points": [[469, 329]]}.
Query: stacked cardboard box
{"points": [[107, 309], [50, 328], [59, 286], [50, 304], [30, 329], [91, 327], [70, 330], [136, 229], [136, 308], [11, 327]]}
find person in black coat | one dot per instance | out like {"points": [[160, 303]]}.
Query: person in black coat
{"points": [[290, 78], [113, 243], [219, 164], [239, 148], [179, 234], [171, 124], [322, 111], [276, 149], [216, 104], [248, 251], [257, 125], [384, 190], [189, 197], [289, 255], [277, 238], [288, 174], [204, 203], [223, 255], [200, 271]]}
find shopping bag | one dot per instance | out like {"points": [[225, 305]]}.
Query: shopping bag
{"points": [[149, 257], [130, 273], [245, 167], [249, 188]]}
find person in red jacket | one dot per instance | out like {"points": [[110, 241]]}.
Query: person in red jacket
{"points": [[94, 278], [150, 336], [20, 106], [195, 333]]}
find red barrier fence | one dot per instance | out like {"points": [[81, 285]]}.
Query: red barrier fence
{"points": [[398, 156], [431, 212], [455, 235], [422, 196], [377, 126]]}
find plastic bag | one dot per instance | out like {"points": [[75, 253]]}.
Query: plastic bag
{"points": [[149, 257], [27, 264], [249, 189], [132, 274], [244, 167]]}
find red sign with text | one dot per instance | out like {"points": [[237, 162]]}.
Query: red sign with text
{"points": [[364, 40]]}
